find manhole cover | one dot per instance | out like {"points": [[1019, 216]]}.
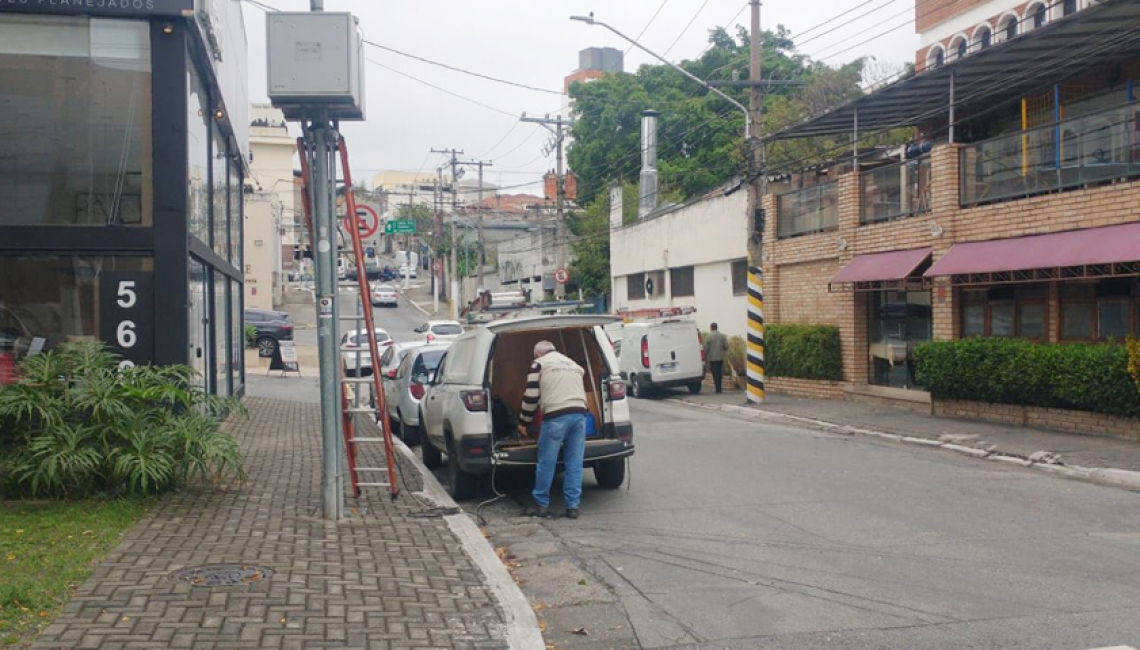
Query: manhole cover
{"points": [[222, 575]]}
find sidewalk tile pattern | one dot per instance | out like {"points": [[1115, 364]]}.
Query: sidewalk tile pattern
{"points": [[384, 578]]}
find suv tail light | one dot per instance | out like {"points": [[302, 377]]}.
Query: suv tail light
{"points": [[645, 351], [286, 328], [474, 400], [617, 389], [417, 390]]}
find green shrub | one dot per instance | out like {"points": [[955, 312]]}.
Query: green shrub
{"points": [[250, 336], [1134, 360], [804, 351], [1013, 371], [75, 425]]}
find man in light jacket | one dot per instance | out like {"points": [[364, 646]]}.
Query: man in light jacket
{"points": [[716, 347], [555, 384]]}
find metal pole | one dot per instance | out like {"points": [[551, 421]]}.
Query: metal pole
{"points": [[560, 223], [325, 263], [757, 188], [454, 243], [482, 243]]}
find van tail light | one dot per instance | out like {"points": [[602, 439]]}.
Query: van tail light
{"points": [[417, 390], [645, 351], [701, 345], [391, 374], [617, 389], [474, 400]]}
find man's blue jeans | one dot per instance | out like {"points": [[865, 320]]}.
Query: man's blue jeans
{"points": [[567, 431]]}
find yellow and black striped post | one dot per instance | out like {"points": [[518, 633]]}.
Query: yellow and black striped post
{"points": [[754, 363]]}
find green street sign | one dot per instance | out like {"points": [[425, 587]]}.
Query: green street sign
{"points": [[400, 227]]}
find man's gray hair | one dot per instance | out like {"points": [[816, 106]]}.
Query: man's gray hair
{"points": [[543, 347]]}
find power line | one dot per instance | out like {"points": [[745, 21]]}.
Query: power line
{"points": [[837, 17], [445, 66], [442, 90], [690, 24], [853, 20], [643, 29], [908, 21]]}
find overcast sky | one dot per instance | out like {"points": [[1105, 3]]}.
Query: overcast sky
{"points": [[533, 42]]}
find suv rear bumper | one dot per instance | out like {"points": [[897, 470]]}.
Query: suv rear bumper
{"points": [[596, 450]]}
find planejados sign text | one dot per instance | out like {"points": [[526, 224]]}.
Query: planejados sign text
{"points": [[100, 7]]}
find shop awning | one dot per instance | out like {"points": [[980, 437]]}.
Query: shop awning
{"points": [[1089, 253], [881, 271]]}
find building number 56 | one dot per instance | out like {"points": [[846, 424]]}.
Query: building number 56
{"points": [[125, 333]]}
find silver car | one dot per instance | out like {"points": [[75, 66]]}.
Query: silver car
{"points": [[404, 391], [354, 345]]}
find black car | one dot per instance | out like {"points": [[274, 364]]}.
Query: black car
{"points": [[270, 327]]}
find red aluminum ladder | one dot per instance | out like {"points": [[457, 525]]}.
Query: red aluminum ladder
{"points": [[350, 408]]}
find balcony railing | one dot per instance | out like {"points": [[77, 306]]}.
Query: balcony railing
{"points": [[1095, 148], [895, 191], [812, 209]]}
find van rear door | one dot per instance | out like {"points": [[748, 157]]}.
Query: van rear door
{"points": [[674, 351]]}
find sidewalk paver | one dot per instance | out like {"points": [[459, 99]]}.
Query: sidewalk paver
{"points": [[390, 576], [1072, 449]]}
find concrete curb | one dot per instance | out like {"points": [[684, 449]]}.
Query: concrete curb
{"points": [[522, 628], [1119, 478]]}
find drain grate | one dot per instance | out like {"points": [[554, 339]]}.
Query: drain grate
{"points": [[222, 575]]}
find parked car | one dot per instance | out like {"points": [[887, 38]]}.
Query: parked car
{"points": [[404, 391], [408, 271], [440, 331], [270, 328], [387, 274], [393, 355], [470, 410], [354, 345], [386, 295], [661, 354]]}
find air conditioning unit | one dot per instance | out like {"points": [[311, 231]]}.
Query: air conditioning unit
{"points": [[315, 62]]}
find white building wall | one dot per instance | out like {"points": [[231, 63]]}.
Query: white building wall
{"points": [[708, 235], [267, 208]]}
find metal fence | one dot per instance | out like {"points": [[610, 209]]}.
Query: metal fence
{"points": [[812, 209], [895, 191], [1095, 148]]}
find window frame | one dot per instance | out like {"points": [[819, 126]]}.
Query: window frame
{"points": [[635, 280], [976, 296], [743, 289]]}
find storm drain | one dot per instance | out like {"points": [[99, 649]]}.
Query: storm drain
{"points": [[222, 575]]}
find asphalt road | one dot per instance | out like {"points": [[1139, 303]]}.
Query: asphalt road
{"points": [[744, 535]]}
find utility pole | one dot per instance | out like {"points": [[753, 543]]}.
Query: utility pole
{"points": [[454, 241], [560, 236], [482, 243], [326, 251], [757, 188], [437, 274]]}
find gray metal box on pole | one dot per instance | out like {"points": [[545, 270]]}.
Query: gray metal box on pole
{"points": [[316, 58]]}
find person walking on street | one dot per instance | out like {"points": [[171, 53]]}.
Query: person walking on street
{"points": [[716, 347], [555, 386]]}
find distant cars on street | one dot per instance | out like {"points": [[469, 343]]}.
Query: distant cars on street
{"points": [[406, 388], [354, 347], [385, 295], [440, 331]]}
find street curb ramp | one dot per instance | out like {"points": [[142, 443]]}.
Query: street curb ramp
{"points": [[522, 629], [1042, 460]]}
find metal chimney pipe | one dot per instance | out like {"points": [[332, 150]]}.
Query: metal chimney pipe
{"points": [[647, 195]]}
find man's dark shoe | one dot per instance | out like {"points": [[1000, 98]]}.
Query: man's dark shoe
{"points": [[571, 513], [536, 511]]}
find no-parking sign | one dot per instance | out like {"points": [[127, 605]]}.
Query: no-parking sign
{"points": [[366, 221]]}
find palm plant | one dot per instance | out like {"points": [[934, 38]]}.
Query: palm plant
{"points": [[76, 424]]}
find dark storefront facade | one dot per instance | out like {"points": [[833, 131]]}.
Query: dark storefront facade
{"points": [[121, 181]]}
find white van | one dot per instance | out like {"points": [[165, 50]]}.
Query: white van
{"points": [[660, 354]]}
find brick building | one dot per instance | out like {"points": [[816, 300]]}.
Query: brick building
{"points": [[1015, 211]]}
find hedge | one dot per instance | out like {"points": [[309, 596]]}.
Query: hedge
{"points": [[1075, 376], [804, 352]]}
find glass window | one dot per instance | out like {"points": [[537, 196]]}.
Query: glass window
{"points": [[427, 362], [635, 286], [198, 324], [237, 338], [1011, 29], [974, 317], [1076, 320], [197, 156], [447, 329], [740, 278], [45, 301], [1039, 16], [897, 322], [221, 321], [1112, 319], [1068, 7], [221, 198], [681, 282], [1001, 318], [1031, 320], [235, 190], [74, 139], [985, 38]]}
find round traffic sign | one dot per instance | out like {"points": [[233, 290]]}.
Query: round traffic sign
{"points": [[561, 276], [366, 221]]}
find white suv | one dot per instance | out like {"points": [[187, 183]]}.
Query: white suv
{"points": [[470, 410]]}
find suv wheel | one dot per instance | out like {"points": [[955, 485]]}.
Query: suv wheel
{"points": [[266, 346], [610, 474], [462, 483]]}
